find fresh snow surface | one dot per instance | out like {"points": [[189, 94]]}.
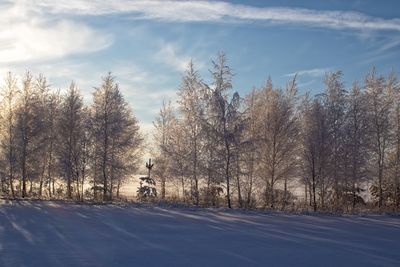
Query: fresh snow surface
{"points": [[57, 234]]}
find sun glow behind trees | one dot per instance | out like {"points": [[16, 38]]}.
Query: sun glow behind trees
{"points": [[53, 144], [248, 151], [213, 146]]}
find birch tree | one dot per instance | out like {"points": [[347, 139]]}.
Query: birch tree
{"points": [[315, 149], [250, 151], [335, 104], [379, 97], [191, 107], [393, 183], [10, 95], [28, 127], [356, 141], [115, 135], [279, 133], [70, 132], [221, 110], [163, 125]]}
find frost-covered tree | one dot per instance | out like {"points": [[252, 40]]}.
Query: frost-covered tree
{"points": [[250, 152], [315, 149], [192, 108], [8, 143], [46, 141], [164, 155], [52, 117], [71, 131], [356, 154], [379, 96], [221, 119], [115, 136], [278, 135], [335, 105], [394, 154], [28, 128]]}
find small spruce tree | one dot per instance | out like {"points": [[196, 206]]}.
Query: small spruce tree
{"points": [[147, 188]]}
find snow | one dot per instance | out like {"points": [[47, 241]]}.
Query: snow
{"points": [[59, 234]]}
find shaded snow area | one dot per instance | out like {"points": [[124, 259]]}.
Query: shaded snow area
{"points": [[54, 234]]}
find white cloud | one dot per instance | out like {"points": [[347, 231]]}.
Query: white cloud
{"points": [[318, 72], [391, 43], [26, 35], [169, 55], [307, 83], [192, 11]]}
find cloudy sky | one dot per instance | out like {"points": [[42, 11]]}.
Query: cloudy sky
{"points": [[146, 44]]}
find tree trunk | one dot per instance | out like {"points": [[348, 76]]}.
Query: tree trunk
{"points": [[118, 187], [313, 187], [162, 186], [305, 194], [23, 182], [238, 181], [380, 186], [195, 171], [227, 175], [250, 189], [285, 194], [183, 187]]}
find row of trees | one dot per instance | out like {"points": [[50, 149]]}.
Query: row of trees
{"points": [[53, 145], [341, 146]]}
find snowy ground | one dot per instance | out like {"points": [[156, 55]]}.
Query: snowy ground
{"points": [[54, 234]]}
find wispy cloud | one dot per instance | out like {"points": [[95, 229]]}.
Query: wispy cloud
{"points": [[393, 42], [26, 35], [318, 72], [169, 55], [217, 11]]}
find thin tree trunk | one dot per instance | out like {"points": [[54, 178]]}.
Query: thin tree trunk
{"points": [[10, 157], [305, 194], [285, 194], [195, 171], [238, 181], [162, 186], [250, 189], [105, 154], [227, 174], [313, 187], [23, 168], [183, 187]]}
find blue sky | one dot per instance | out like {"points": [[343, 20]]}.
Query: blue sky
{"points": [[146, 44]]}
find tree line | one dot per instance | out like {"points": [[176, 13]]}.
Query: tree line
{"points": [[274, 148], [53, 145]]}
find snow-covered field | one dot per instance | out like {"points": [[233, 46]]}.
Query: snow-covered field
{"points": [[55, 234]]}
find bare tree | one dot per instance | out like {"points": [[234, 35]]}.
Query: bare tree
{"points": [[393, 185], [46, 116], [70, 132], [335, 104], [52, 117], [163, 124], [379, 97], [356, 141], [315, 149], [115, 135], [250, 151], [278, 135], [28, 127], [192, 109], [220, 122], [10, 95]]}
